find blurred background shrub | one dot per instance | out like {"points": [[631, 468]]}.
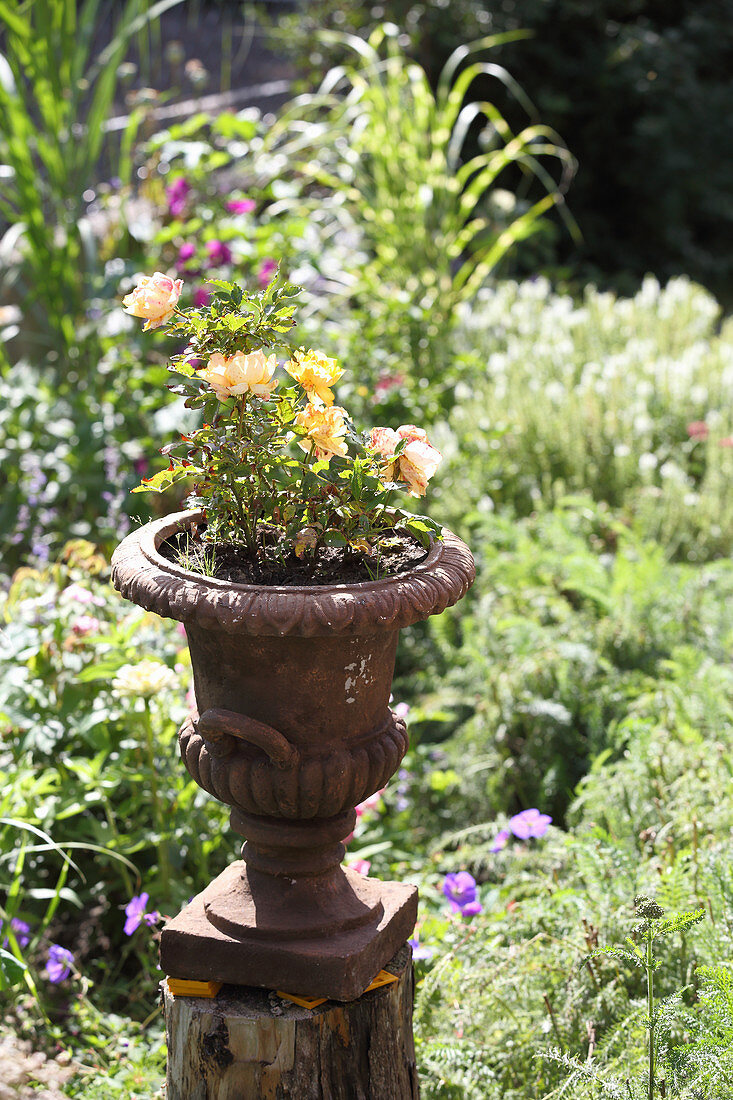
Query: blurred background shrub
{"points": [[639, 93]]}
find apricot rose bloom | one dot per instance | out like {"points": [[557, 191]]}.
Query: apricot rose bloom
{"points": [[384, 441], [316, 373], [410, 432], [155, 298], [417, 462], [325, 430], [240, 373]]}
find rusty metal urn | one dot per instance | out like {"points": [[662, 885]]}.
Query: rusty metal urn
{"points": [[292, 729]]}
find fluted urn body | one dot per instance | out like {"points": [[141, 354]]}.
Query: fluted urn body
{"points": [[292, 729]]}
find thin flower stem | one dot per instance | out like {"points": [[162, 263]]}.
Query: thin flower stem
{"points": [[158, 808], [649, 966]]}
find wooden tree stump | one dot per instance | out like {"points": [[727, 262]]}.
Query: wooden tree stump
{"points": [[250, 1044]]}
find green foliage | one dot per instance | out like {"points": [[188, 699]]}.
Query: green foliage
{"points": [[388, 150], [639, 92], [55, 97]]}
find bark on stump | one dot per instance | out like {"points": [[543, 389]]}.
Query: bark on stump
{"points": [[250, 1044]]}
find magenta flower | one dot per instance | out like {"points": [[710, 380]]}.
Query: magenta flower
{"points": [[185, 253], [241, 206], [218, 253], [201, 297], [401, 710], [267, 270], [460, 890], [529, 824], [59, 963], [361, 866], [135, 913], [501, 840], [176, 193]]}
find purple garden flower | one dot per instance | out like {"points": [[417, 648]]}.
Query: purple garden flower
{"points": [[501, 840], [176, 193], [529, 824], [241, 206], [59, 963], [21, 930], [135, 913], [201, 296], [419, 951], [460, 890], [218, 253]]}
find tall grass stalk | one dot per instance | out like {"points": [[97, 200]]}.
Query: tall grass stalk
{"points": [[55, 96], [391, 150]]}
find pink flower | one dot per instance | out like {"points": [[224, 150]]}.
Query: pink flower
{"points": [[176, 193], [361, 866], [241, 206], [154, 298], [698, 429], [82, 595], [369, 803], [218, 253], [727, 442], [267, 270], [85, 624], [386, 383], [201, 296], [401, 710]]}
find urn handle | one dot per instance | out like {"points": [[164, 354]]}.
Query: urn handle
{"points": [[217, 727]]}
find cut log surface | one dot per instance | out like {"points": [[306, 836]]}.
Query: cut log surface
{"points": [[250, 1044]]}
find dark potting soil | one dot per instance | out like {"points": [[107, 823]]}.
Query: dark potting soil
{"points": [[333, 564]]}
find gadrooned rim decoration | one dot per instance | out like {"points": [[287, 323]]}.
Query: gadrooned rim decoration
{"points": [[141, 574]]}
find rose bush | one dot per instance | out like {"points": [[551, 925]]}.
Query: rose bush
{"points": [[257, 491]]}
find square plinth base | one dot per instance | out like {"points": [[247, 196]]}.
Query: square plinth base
{"points": [[339, 966]]}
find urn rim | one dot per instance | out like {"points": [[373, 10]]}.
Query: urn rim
{"points": [[141, 574]]}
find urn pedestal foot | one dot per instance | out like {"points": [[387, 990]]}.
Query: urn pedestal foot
{"points": [[334, 963]]}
